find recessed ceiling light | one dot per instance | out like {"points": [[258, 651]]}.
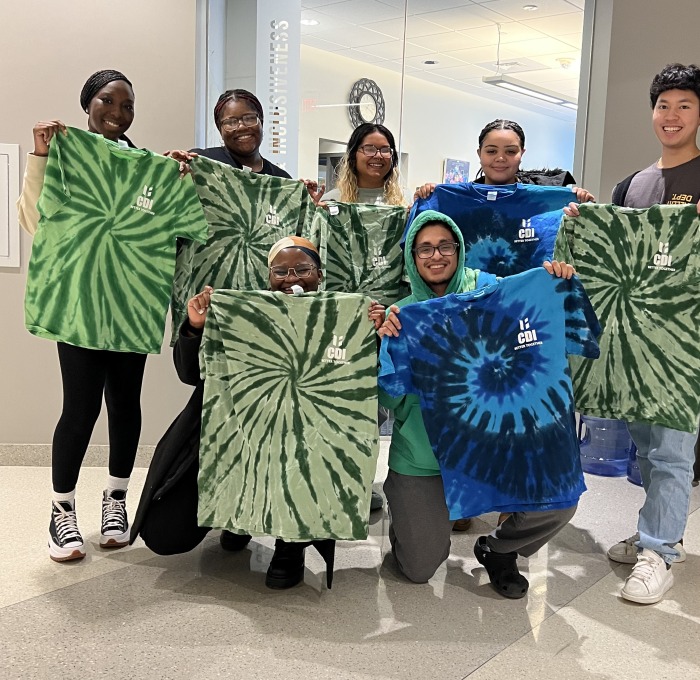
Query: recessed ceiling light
{"points": [[530, 8], [309, 22], [430, 62]]}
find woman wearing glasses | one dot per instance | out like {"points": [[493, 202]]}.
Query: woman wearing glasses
{"points": [[166, 518], [239, 117], [369, 170]]}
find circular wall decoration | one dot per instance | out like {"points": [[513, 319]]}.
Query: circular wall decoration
{"points": [[366, 103]]}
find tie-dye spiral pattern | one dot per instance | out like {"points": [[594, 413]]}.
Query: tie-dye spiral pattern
{"points": [[289, 436]]}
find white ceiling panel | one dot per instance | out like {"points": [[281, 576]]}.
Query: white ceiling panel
{"points": [[418, 6], [513, 31], [318, 43], [312, 4], [415, 27], [447, 41], [355, 10], [535, 48], [354, 36], [394, 50], [463, 18], [325, 23], [359, 55], [560, 24], [443, 61], [462, 72], [479, 54], [513, 9], [573, 39]]}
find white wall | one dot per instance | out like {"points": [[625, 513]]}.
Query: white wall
{"points": [[49, 49], [438, 122], [629, 48]]}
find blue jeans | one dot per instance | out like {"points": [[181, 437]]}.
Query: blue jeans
{"points": [[665, 458]]}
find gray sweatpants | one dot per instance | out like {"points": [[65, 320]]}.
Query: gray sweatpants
{"points": [[421, 527]]}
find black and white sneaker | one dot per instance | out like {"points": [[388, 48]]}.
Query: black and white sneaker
{"points": [[65, 541], [115, 526]]}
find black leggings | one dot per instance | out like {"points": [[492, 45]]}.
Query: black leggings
{"points": [[87, 374]]}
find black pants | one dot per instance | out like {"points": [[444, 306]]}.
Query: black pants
{"points": [[88, 374]]}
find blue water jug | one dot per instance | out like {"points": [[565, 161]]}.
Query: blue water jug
{"points": [[633, 473], [605, 446]]}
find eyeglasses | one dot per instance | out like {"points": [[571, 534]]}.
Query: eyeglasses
{"points": [[301, 272], [371, 150], [426, 252], [249, 120]]}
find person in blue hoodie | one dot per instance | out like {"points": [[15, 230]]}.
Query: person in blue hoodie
{"points": [[420, 524]]}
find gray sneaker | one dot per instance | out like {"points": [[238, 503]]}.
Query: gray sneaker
{"points": [[626, 551]]}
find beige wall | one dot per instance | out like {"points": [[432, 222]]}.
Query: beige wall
{"points": [[49, 49], [632, 41]]}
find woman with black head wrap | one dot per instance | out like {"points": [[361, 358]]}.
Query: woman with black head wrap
{"points": [[108, 100]]}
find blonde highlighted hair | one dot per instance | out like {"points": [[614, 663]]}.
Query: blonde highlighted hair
{"points": [[347, 168]]}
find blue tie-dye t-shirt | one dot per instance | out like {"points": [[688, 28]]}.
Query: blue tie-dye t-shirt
{"points": [[491, 370], [507, 229]]}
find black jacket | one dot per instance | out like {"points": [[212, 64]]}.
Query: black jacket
{"points": [[166, 517]]}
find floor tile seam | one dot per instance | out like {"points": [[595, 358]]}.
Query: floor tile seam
{"points": [[554, 612], [125, 565]]}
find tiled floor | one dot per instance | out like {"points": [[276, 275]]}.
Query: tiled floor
{"points": [[207, 614]]}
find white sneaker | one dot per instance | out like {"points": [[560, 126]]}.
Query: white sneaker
{"points": [[649, 580], [626, 551]]}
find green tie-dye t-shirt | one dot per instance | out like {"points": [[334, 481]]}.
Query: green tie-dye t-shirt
{"points": [[289, 438], [103, 257], [247, 214], [360, 248], [639, 269]]}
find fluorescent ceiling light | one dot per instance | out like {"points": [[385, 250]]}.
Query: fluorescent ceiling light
{"points": [[309, 22], [521, 87]]}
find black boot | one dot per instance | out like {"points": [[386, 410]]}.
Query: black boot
{"points": [[502, 569], [287, 565], [233, 542]]}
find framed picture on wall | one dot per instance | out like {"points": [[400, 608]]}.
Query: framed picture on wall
{"points": [[455, 171]]}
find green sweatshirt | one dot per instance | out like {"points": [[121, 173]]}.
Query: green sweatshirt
{"points": [[410, 452]]}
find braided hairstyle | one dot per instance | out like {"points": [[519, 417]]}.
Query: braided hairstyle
{"points": [[95, 83], [500, 124], [235, 96]]}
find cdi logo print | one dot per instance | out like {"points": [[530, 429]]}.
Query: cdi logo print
{"points": [[144, 202], [526, 233], [379, 260], [527, 336], [663, 259], [335, 352], [272, 218]]}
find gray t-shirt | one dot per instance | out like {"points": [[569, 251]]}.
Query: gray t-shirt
{"points": [[375, 196], [675, 186]]}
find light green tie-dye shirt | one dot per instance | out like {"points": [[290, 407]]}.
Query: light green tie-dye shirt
{"points": [[289, 437], [103, 257], [360, 248], [639, 268]]}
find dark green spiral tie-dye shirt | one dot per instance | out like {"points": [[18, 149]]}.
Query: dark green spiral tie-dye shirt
{"points": [[289, 438], [247, 214], [103, 257], [640, 269]]}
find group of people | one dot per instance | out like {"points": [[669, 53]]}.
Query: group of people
{"points": [[434, 254]]}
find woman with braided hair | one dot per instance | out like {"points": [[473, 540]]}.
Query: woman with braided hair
{"points": [[108, 100]]}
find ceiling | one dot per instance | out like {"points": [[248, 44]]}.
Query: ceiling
{"points": [[463, 38]]}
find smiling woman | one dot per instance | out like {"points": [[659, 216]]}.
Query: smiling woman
{"points": [[108, 99]]}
